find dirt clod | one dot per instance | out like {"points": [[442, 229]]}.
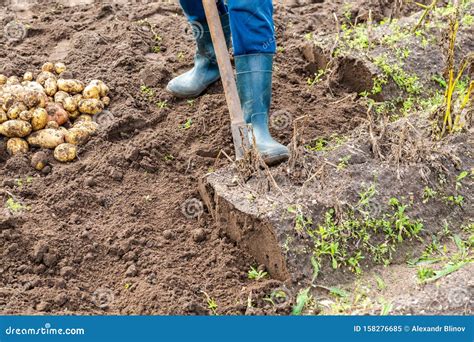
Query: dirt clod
{"points": [[199, 235]]}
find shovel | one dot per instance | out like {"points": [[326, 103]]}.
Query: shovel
{"points": [[240, 129]]}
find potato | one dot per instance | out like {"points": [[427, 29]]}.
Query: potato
{"points": [[59, 68], [13, 89], [70, 86], [3, 79], [77, 98], [50, 86], [43, 76], [8, 101], [65, 152], [60, 96], [30, 98], [70, 104], [105, 100], [48, 66], [26, 115], [77, 135], [91, 106], [3, 116], [83, 117], [91, 92], [74, 115], [16, 146], [90, 126], [15, 128], [16, 109], [62, 129], [13, 80], [46, 138], [39, 160], [52, 125], [39, 119], [57, 113], [104, 90], [34, 86], [28, 76], [43, 100]]}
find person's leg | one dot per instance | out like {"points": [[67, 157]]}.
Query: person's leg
{"points": [[253, 37], [206, 71], [252, 26], [195, 11]]}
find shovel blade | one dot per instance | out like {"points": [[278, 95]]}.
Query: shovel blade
{"points": [[241, 133]]}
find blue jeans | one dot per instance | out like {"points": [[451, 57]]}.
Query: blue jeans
{"points": [[251, 22]]}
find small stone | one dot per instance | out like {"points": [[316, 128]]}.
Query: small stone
{"points": [[60, 284], [50, 259], [74, 218], [66, 271], [43, 306], [90, 182], [60, 299], [168, 234], [40, 269], [89, 257], [38, 251], [28, 286], [131, 271], [199, 235], [130, 256], [116, 175], [46, 170]]}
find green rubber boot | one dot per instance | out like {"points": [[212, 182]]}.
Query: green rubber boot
{"points": [[254, 83], [206, 71]]}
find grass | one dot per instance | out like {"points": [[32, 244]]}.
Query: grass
{"points": [[162, 104], [301, 221], [325, 144], [211, 304], [317, 77], [302, 301], [359, 236], [435, 253], [14, 207], [254, 274], [187, 124], [150, 93], [458, 93]]}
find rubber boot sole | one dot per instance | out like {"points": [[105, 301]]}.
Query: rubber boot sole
{"points": [[276, 159]]}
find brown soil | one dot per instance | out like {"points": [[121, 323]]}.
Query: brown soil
{"points": [[107, 233]]}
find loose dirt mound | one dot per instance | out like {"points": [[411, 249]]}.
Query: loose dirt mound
{"points": [[122, 230]]}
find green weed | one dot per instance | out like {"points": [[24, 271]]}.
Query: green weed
{"points": [[255, 274]]}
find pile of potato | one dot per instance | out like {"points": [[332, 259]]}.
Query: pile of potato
{"points": [[50, 111]]}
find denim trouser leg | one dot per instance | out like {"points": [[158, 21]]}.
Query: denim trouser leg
{"points": [[195, 11], [251, 23]]}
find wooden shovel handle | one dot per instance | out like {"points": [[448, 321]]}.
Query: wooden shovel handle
{"points": [[223, 60]]}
